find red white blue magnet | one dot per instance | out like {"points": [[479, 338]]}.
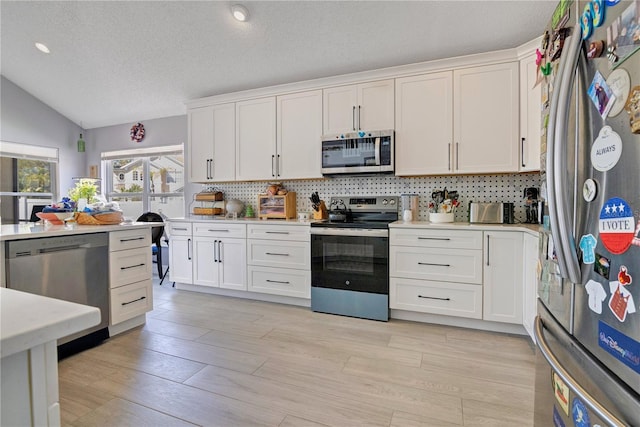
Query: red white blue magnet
{"points": [[586, 22], [616, 225], [597, 12]]}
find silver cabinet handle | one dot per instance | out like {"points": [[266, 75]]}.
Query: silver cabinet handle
{"points": [[457, 156], [218, 231], [219, 250], [278, 166], [449, 156], [132, 239], [559, 215], [440, 299], [359, 119], [433, 238], [276, 232], [437, 265], [273, 158], [215, 254], [189, 249], [522, 151], [179, 229], [277, 281], [275, 254], [353, 117], [488, 250], [592, 403]]}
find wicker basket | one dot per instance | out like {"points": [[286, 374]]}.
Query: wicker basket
{"points": [[105, 218]]}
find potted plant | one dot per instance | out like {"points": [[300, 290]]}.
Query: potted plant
{"points": [[83, 193]]}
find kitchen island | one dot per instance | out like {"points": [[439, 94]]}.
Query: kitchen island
{"points": [[29, 327]]}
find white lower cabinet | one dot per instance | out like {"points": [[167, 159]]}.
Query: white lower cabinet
{"points": [[279, 261], [180, 252], [530, 280], [130, 274], [219, 261], [447, 298], [503, 287]]}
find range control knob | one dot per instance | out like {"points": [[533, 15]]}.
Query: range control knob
{"points": [[392, 202], [385, 202], [347, 282]]}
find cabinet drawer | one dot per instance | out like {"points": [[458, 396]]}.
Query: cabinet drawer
{"points": [[179, 229], [129, 239], [217, 229], [129, 266], [449, 265], [451, 299], [269, 253], [436, 238], [300, 233], [276, 281], [130, 301]]}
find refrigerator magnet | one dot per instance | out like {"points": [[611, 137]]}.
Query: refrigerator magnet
{"points": [[621, 301], [561, 391], [620, 84], [622, 347], [601, 95], [595, 49], [597, 12], [606, 149], [557, 419], [589, 190], [616, 225], [588, 247], [597, 295], [633, 108], [580, 413], [602, 265], [586, 22], [636, 239]]}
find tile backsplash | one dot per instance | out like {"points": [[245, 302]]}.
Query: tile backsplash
{"points": [[476, 188]]}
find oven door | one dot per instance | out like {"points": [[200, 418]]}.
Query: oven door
{"points": [[350, 259]]}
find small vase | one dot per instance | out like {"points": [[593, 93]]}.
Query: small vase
{"points": [[82, 203]]}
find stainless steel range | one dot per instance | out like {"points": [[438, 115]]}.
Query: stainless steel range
{"points": [[350, 257]]}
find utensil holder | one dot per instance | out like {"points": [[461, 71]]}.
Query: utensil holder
{"points": [[441, 217]]}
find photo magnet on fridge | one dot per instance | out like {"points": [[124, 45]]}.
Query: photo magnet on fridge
{"points": [[602, 265], [601, 95], [620, 83]]}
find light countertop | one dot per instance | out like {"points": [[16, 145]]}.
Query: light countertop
{"points": [[35, 230], [28, 320], [533, 229], [220, 219]]}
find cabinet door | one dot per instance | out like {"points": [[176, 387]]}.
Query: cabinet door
{"points": [[299, 132], [232, 263], [339, 109], [530, 282], [180, 259], [486, 117], [503, 287], [256, 139], [530, 112], [200, 123], [424, 124], [375, 109], [205, 265], [223, 162]]}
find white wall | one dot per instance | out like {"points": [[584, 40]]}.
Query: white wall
{"points": [[25, 119]]}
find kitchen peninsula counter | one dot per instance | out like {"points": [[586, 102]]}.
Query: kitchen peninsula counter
{"points": [[36, 230], [30, 325]]}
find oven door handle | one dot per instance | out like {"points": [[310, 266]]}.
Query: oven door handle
{"points": [[350, 232]]}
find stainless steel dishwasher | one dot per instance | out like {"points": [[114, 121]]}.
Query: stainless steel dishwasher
{"points": [[72, 268]]}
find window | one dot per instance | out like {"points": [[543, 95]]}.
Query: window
{"points": [[146, 180], [29, 177]]}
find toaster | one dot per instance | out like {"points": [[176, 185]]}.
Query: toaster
{"points": [[491, 213]]}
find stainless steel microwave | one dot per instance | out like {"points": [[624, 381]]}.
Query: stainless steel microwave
{"points": [[358, 152]]}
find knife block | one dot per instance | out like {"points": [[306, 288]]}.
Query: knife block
{"points": [[321, 213]]}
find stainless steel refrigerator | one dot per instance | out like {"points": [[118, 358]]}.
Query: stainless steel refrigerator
{"points": [[588, 324]]}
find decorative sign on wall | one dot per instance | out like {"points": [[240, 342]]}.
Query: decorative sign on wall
{"points": [[137, 132]]}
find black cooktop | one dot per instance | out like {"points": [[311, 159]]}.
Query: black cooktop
{"points": [[352, 224], [374, 212]]}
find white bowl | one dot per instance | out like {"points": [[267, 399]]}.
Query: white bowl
{"points": [[441, 217]]}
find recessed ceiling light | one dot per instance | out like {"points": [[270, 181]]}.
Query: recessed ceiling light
{"points": [[42, 48], [240, 12]]}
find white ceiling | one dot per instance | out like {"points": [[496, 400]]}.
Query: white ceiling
{"points": [[114, 62]]}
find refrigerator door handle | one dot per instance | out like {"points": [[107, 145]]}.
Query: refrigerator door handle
{"points": [[593, 404], [560, 213]]}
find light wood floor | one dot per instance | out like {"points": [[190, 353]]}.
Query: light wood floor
{"points": [[218, 361]]}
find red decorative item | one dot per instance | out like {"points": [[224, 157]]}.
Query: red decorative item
{"points": [[137, 132]]}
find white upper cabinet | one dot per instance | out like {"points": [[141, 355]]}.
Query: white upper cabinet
{"points": [[365, 106], [530, 112], [299, 132], [486, 116], [212, 143], [424, 124], [256, 139]]}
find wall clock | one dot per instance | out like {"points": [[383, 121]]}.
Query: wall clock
{"points": [[137, 132]]}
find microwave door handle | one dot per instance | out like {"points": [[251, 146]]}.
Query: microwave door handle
{"points": [[377, 151]]}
